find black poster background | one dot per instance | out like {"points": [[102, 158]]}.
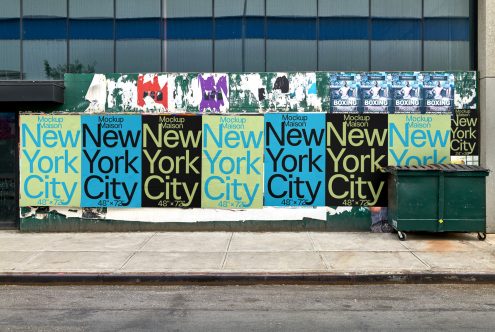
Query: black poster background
{"points": [[349, 185], [181, 168], [465, 133]]}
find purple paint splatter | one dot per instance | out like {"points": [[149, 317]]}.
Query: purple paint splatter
{"points": [[212, 94]]}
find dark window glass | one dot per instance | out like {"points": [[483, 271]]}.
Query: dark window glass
{"points": [[91, 33], [10, 46], [138, 36], [45, 39], [188, 44], [396, 34], [447, 35]]}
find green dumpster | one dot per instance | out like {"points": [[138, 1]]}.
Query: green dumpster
{"points": [[437, 198]]}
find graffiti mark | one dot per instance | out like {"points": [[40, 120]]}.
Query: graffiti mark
{"points": [[151, 90], [213, 93], [261, 94], [282, 83]]}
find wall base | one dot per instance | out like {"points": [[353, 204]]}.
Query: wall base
{"points": [[354, 221]]}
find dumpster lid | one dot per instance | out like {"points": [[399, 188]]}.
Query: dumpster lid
{"points": [[438, 168]]}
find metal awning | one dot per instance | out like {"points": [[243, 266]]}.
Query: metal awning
{"points": [[438, 167], [32, 91]]}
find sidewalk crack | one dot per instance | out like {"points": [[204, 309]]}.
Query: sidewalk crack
{"points": [[327, 267], [421, 260], [226, 251], [26, 261], [141, 246]]}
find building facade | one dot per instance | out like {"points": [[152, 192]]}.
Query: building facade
{"points": [[42, 40]]}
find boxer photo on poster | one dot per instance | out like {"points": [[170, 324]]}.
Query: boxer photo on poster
{"points": [[344, 92], [375, 92], [438, 90], [406, 89]]}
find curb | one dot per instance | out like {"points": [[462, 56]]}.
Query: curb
{"points": [[242, 278]]}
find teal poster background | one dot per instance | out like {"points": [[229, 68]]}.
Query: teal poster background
{"points": [[294, 159], [111, 160]]}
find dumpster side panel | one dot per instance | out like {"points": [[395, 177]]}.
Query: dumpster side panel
{"points": [[417, 208], [465, 204]]}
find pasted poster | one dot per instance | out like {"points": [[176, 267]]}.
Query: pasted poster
{"points": [[259, 92], [438, 91], [418, 139], [376, 94], [356, 155], [232, 165], [464, 142], [406, 89], [279, 98], [111, 161], [109, 93], [199, 92], [249, 92], [185, 92], [323, 90], [466, 90], [172, 161], [303, 95], [344, 92], [152, 92], [263, 92], [294, 159], [50, 160]]}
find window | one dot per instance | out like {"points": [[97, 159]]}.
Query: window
{"points": [[44, 39], [138, 34], [291, 43], [10, 46], [91, 33], [396, 35], [343, 35], [446, 35], [189, 35]]}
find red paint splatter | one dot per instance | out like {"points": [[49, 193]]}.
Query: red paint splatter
{"points": [[151, 89]]}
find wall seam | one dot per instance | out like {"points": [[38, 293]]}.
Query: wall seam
{"points": [[422, 33], [162, 35], [317, 34], [21, 47], [213, 37], [114, 36], [67, 38], [370, 31], [265, 31]]}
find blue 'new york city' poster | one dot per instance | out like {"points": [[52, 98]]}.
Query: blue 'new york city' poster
{"points": [[111, 160], [294, 159]]}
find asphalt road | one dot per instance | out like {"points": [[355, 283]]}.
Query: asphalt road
{"points": [[247, 308]]}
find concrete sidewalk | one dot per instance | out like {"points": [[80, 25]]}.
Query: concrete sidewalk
{"points": [[231, 257]]}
